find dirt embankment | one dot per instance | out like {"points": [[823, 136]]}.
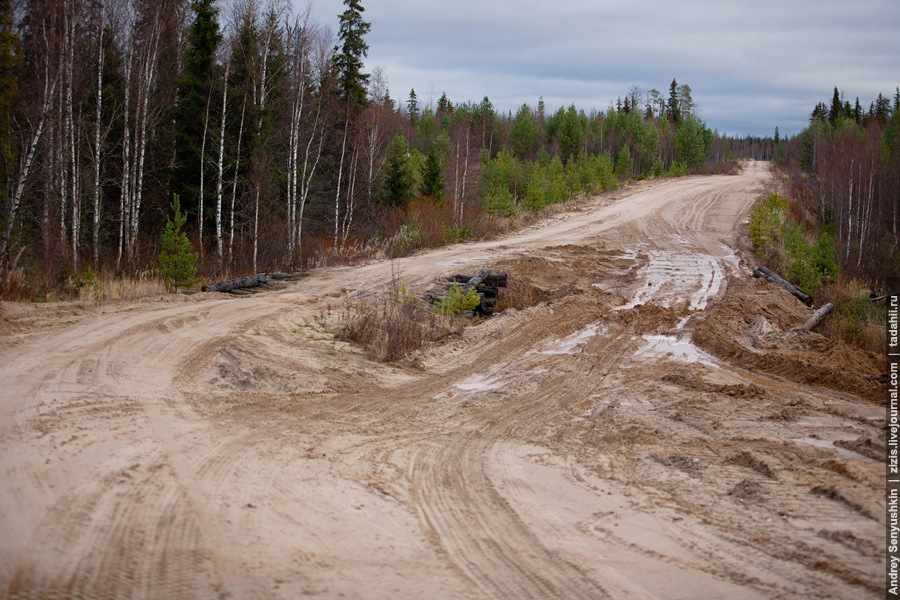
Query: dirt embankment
{"points": [[639, 422]]}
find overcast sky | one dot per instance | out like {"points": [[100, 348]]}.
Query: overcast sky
{"points": [[752, 65]]}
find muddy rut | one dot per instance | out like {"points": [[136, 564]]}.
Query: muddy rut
{"points": [[580, 444]]}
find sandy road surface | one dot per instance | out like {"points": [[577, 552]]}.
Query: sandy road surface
{"points": [[579, 447]]}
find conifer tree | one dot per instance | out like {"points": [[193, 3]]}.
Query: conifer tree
{"points": [[194, 96], [176, 260], [348, 56], [433, 177], [398, 181]]}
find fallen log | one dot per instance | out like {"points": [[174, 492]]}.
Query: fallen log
{"points": [[494, 279], [773, 277], [817, 317], [236, 284]]}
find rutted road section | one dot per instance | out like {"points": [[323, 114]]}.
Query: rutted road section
{"points": [[581, 446]]}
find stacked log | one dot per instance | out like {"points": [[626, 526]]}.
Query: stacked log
{"points": [[486, 284], [237, 284]]}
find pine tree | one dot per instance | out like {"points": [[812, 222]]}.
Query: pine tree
{"points": [[176, 260]]}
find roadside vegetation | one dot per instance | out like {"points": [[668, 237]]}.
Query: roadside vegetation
{"points": [[836, 234], [283, 151]]}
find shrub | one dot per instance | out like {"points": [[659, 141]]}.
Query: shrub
{"points": [[457, 301]]}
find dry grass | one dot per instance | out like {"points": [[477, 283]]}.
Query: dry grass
{"points": [[111, 287], [390, 330], [857, 320]]}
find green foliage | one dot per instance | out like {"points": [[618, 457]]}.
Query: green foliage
{"points": [[455, 235], [194, 95], [88, 284], [433, 177], [457, 300], [624, 164], [677, 169], [177, 262], [398, 181], [766, 223], [402, 295], [693, 142], [498, 200], [777, 239], [524, 133], [348, 57], [570, 134]]}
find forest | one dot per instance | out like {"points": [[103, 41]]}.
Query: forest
{"points": [[283, 152], [844, 171]]}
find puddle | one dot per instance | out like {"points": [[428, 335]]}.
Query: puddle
{"points": [[567, 345], [679, 349], [479, 383], [829, 446]]}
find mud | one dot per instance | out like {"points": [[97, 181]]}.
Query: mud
{"points": [[639, 422]]}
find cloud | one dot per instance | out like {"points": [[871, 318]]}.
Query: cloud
{"points": [[751, 65]]}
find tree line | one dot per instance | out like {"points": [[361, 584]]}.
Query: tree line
{"points": [[846, 177], [283, 151]]}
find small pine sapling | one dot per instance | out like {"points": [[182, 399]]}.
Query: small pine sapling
{"points": [[177, 262]]}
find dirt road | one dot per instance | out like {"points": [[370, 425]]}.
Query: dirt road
{"points": [[582, 446]]}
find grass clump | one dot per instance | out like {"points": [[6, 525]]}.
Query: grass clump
{"points": [[393, 326]]}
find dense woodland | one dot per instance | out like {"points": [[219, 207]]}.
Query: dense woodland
{"points": [[845, 174], [285, 153]]}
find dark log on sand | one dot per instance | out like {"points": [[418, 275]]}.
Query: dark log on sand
{"points": [[236, 284], [494, 279], [817, 317], [773, 277]]}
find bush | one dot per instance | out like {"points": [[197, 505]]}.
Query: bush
{"points": [[779, 240]]}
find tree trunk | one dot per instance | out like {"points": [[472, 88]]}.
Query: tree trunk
{"points": [[773, 277], [219, 179], [49, 91], [101, 54], [817, 317]]}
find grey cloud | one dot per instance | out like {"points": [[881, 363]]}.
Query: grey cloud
{"points": [[751, 65]]}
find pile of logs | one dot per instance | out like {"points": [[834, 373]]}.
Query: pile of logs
{"points": [[245, 286], [816, 318], [487, 285]]}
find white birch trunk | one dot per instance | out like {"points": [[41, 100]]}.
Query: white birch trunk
{"points": [[203, 172], [219, 179], [25, 168], [100, 59]]}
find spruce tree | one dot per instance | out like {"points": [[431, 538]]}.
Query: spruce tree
{"points": [[194, 94], [433, 177], [348, 56], [672, 107], [398, 181]]}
